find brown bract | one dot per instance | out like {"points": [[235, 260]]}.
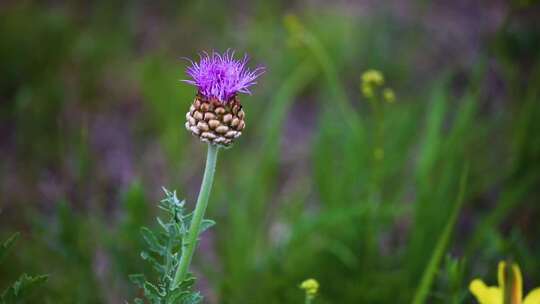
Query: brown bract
{"points": [[214, 122]]}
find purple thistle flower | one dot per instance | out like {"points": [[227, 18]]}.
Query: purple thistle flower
{"points": [[221, 76]]}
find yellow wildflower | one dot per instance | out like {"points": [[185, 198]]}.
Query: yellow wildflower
{"points": [[388, 95], [370, 80], [311, 286], [373, 77], [509, 290], [367, 90]]}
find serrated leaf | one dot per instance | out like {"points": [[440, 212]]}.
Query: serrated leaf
{"points": [[192, 298], [4, 248], [152, 241], [22, 287], [152, 291], [162, 224], [137, 279], [188, 282], [163, 247], [176, 295], [157, 266]]}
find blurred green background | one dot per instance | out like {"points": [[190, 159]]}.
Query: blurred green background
{"points": [[322, 184]]}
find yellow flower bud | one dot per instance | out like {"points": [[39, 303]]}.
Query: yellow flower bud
{"points": [[373, 77], [367, 90], [388, 95], [311, 286]]}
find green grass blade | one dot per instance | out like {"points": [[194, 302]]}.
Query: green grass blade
{"points": [[433, 265]]}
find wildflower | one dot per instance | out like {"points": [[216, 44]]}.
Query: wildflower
{"points": [[373, 77], [216, 115], [388, 95], [311, 286], [367, 90], [509, 290], [369, 81]]}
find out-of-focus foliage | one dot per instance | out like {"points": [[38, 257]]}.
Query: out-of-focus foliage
{"points": [[24, 284], [322, 184]]}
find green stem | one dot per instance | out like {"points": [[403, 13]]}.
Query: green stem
{"points": [[198, 215], [442, 243]]}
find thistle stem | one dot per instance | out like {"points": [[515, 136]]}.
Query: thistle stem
{"points": [[190, 243]]}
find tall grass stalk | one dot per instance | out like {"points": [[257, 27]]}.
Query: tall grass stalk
{"points": [[319, 52], [194, 229], [442, 244]]}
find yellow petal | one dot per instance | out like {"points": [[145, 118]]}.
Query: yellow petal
{"points": [[533, 297], [501, 275], [510, 280], [485, 294], [517, 285]]}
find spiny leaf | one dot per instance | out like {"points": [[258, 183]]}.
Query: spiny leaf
{"points": [[177, 294], [137, 279], [163, 251], [157, 266], [192, 298], [22, 287], [162, 224], [152, 292], [4, 248], [206, 224], [152, 241]]}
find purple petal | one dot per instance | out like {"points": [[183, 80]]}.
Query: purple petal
{"points": [[221, 76]]}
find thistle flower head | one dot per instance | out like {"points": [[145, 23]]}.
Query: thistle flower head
{"points": [[221, 76]]}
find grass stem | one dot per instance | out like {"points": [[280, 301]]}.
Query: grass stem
{"points": [[433, 266]]}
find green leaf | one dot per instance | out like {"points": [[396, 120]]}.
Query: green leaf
{"points": [[162, 224], [185, 222], [152, 292], [188, 282], [206, 224], [176, 295], [4, 248], [157, 266], [137, 279], [22, 287], [162, 251], [152, 241], [192, 298]]}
